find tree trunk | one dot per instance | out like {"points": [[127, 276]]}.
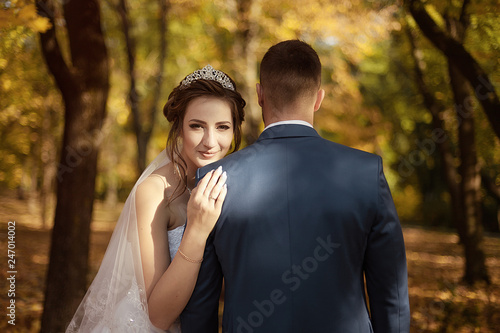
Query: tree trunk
{"points": [[493, 190], [143, 122], [465, 195], [34, 167], [112, 178], [470, 185], [440, 138], [84, 87], [462, 60], [245, 55], [490, 186], [133, 95], [49, 165]]}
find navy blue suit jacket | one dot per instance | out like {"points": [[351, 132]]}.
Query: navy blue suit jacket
{"points": [[305, 219]]}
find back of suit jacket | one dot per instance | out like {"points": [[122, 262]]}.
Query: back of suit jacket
{"points": [[303, 221]]}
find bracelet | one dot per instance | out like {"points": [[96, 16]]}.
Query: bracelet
{"points": [[189, 259]]}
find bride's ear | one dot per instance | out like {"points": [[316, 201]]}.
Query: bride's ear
{"points": [[319, 99]]}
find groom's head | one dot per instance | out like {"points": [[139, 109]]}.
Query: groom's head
{"points": [[290, 80]]}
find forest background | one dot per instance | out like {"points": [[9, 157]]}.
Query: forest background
{"points": [[413, 81]]}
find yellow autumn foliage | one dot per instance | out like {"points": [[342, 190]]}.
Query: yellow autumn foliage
{"points": [[23, 13]]}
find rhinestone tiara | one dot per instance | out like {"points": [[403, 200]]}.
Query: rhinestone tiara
{"points": [[208, 73]]}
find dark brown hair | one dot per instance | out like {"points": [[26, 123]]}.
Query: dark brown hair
{"points": [[175, 110], [288, 71]]}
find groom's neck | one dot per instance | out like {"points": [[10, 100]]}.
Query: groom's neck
{"points": [[300, 109], [284, 115]]}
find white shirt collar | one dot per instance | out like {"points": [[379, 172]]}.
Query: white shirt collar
{"points": [[289, 122]]}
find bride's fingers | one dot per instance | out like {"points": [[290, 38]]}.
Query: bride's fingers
{"points": [[202, 184], [221, 197], [212, 182], [218, 186]]}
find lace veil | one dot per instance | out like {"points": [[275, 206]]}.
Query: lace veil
{"points": [[116, 299]]}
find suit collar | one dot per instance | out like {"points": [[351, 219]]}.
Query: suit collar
{"points": [[288, 122], [286, 131]]}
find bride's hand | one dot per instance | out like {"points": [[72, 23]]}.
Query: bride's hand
{"points": [[205, 205]]}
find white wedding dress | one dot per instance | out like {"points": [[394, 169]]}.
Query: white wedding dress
{"points": [[116, 299]]}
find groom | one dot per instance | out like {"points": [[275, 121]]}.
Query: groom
{"points": [[305, 222]]}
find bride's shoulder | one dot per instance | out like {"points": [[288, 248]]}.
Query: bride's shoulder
{"points": [[157, 182]]}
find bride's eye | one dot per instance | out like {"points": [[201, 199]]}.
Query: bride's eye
{"points": [[194, 126], [223, 127]]}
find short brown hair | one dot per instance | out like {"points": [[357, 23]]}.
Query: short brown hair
{"points": [[175, 110], [289, 70]]}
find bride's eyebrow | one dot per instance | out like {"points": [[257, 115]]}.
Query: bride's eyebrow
{"points": [[204, 122], [197, 121]]}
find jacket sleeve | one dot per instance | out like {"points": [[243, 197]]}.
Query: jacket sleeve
{"points": [[202, 311], [385, 266]]}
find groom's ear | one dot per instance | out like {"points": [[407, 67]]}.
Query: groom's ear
{"points": [[319, 99], [260, 95]]}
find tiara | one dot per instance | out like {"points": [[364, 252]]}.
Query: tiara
{"points": [[209, 73]]}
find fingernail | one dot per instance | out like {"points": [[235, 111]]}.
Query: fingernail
{"points": [[224, 174], [219, 168]]}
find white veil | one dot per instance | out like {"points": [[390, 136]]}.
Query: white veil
{"points": [[116, 299]]}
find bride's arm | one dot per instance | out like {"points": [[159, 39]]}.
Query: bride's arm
{"points": [[169, 287]]}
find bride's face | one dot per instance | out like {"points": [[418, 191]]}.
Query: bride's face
{"points": [[207, 131]]}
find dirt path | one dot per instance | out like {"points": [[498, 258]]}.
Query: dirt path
{"points": [[435, 262]]}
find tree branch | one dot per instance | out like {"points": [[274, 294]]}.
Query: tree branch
{"points": [[51, 49], [464, 17], [459, 57]]}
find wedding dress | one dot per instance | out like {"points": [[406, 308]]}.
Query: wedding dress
{"points": [[116, 299]]}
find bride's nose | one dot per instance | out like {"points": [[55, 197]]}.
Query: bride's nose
{"points": [[209, 139]]}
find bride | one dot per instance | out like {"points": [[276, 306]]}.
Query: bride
{"points": [[151, 265]]}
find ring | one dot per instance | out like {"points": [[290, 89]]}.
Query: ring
{"points": [[212, 198]]}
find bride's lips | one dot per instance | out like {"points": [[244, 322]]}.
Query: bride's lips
{"points": [[207, 154]]}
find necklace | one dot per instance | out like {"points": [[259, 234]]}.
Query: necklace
{"points": [[178, 172]]}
